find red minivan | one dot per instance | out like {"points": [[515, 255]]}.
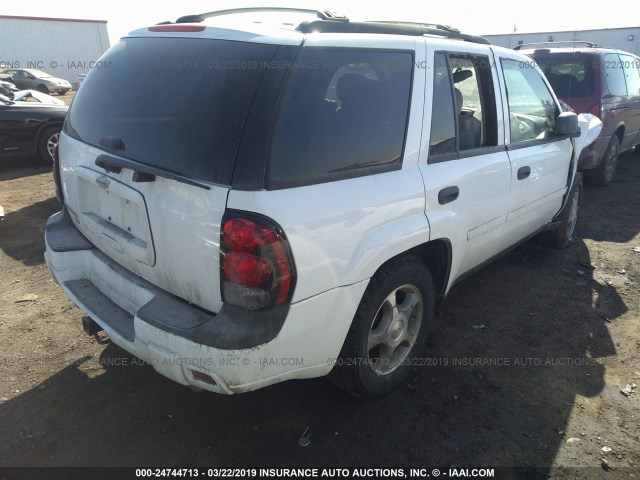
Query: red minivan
{"points": [[600, 81]]}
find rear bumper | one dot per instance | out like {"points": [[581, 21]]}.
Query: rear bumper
{"points": [[59, 88], [181, 341]]}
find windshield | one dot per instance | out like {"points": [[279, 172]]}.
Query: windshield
{"points": [[175, 104]]}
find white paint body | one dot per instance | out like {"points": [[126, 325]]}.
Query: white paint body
{"points": [[340, 233]]}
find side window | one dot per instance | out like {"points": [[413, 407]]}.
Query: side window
{"points": [[344, 114], [475, 101], [615, 74], [532, 109], [362, 69], [464, 115], [632, 74], [443, 124]]}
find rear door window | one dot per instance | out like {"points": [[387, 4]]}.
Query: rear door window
{"points": [[443, 124], [175, 104], [463, 110], [344, 114]]}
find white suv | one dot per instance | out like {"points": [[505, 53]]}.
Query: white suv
{"points": [[247, 203]]}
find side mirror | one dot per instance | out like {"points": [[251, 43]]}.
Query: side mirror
{"points": [[567, 125]]}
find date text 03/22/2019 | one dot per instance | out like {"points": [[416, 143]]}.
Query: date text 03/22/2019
{"points": [[313, 472]]}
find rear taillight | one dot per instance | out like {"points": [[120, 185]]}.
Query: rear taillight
{"points": [[596, 110], [257, 270], [56, 175]]}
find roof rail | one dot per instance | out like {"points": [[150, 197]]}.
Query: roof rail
{"points": [[421, 24], [321, 14], [555, 44], [389, 28], [331, 22]]}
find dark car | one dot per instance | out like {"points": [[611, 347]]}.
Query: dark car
{"points": [[603, 82], [29, 128]]}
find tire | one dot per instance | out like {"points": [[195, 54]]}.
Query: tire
{"points": [[603, 173], [565, 234], [63, 92], [47, 139], [43, 89], [389, 329]]}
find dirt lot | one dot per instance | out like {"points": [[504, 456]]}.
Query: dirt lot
{"points": [[524, 369]]}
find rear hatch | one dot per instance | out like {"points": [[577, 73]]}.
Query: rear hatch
{"points": [[574, 77], [148, 152]]}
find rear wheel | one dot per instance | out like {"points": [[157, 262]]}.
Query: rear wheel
{"points": [[43, 89], [47, 141], [603, 173], [388, 331]]}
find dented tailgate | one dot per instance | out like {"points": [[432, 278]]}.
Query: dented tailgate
{"points": [[163, 230]]}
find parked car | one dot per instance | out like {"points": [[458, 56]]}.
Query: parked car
{"points": [[30, 79], [36, 97], [600, 81], [8, 89], [304, 217], [29, 128]]}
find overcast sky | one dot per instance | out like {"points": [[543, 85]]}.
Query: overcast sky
{"points": [[470, 16]]}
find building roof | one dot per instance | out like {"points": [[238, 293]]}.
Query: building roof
{"points": [[48, 19], [560, 31]]}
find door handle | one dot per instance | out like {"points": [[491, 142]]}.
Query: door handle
{"points": [[448, 194], [523, 172]]}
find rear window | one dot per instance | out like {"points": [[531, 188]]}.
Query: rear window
{"points": [[570, 74], [176, 104], [344, 115]]}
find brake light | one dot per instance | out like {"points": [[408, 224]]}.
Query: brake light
{"points": [[246, 269], [203, 377], [244, 235], [596, 110], [257, 270], [177, 27]]}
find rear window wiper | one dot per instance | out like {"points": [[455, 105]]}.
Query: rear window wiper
{"points": [[357, 166], [142, 172]]}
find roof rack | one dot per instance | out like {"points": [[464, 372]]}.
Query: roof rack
{"points": [[555, 44], [389, 28], [421, 24], [321, 14], [331, 22]]}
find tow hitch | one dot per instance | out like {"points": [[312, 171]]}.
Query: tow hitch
{"points": [[90, 327]]}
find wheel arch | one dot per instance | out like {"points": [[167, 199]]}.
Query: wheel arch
{"points": [[619, 132], [46, 125], [437, 255]]}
